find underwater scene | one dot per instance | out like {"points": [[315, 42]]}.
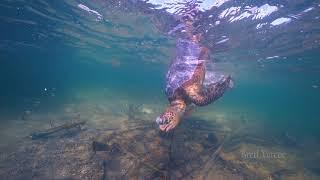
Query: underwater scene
{"points": [[159, 89]]}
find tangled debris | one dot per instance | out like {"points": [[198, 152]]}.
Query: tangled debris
{"points": [[197, 149]]}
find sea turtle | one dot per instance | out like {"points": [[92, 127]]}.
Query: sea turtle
{"points": [[185, 82]]}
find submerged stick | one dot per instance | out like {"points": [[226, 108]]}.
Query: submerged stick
{"points": [[45, 133], [216, 153]]}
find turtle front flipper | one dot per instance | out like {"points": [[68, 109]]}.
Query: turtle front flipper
{"points": [[172, 116], [202, 96]]}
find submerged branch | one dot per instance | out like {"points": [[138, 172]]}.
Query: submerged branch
{"points": [[66, 126]]}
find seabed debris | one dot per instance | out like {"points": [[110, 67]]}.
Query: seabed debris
{"points": [[50, 131], [197, 149]]}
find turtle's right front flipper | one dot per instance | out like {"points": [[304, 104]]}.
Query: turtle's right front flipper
{"points": [[203, 96]]}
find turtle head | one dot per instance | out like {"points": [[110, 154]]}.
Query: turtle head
{"points": [[168, 120]]}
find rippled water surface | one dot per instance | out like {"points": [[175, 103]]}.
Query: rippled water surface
{"points": [[98, 60]]}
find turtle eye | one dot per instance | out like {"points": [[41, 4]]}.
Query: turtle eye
{"points": [[166, 120]]}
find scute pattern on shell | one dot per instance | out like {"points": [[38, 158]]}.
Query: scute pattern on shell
{"points": [[183, 66]]}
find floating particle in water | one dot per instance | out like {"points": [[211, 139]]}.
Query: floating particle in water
{"points": [[272, 57]]}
